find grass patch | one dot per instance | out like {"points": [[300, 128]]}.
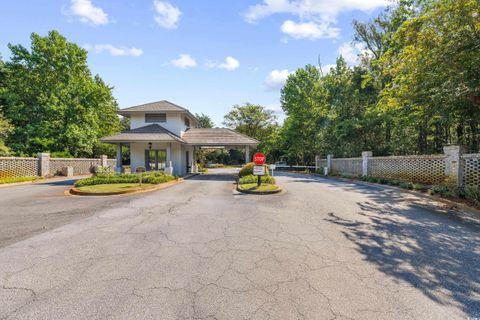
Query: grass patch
{"points": [[254, 187], [115, 187], [17, 179]]}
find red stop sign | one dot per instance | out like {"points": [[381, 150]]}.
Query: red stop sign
{"points": [[259, 158]]}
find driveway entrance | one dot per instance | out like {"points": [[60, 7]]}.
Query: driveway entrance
{"points": [[322, 250]]}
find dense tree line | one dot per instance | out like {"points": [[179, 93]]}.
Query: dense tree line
{"points": [[50, 101], [416, 89]]}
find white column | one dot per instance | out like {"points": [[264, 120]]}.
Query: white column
{"points": [[247, 154], [365, 156], [119, 158], [329, 163], [43, 164], [454, 164], [194, 160], [169, 155], [168, 165]]}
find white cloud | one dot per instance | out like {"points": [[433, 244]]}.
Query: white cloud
{"points": [[88, 13], [326, 68], [316, 17], [167, 15], [276, 79], [350, 52], [116, 51], [184, 61], [230, 64], [309, 30]]}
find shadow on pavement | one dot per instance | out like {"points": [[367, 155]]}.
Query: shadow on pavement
{"points": [[434, 252]]}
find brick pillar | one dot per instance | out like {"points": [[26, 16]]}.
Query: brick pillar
{"points": [[365, 156], [43, 164], [454, 164], [329, 163], [104, 160]]}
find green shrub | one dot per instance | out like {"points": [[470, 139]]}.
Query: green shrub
{"points": [[247, 170], [406, 185], [147, 177], [103, 171], [253, 179], [473, 193], [417, 186], [441, 190]]}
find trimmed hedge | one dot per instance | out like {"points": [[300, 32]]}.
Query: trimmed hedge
{"points": [[253, 179], [247, 170], [148, 177]]}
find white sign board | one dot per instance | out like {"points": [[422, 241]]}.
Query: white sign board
{"points": [[258, 170], [273, 167]]}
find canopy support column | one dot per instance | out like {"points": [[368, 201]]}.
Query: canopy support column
{"points": [[119, 158], [247, 154], [168, 165]]}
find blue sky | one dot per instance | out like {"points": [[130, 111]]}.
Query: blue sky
{"points": [[206, 55]]}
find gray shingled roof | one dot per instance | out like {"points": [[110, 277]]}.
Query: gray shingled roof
{"points": [[216, 137], [159, 106], [152, 132]]}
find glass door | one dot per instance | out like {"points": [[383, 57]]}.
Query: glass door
{"points": [[155, 159]]}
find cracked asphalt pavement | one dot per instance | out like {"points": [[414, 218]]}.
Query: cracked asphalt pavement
{"points": [[324, 249]]}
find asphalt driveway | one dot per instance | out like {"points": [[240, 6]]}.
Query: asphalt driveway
{"points": [[322, 250]]}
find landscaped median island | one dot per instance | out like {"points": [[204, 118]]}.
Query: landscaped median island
{"points": [[248, 183], [111, 184]]}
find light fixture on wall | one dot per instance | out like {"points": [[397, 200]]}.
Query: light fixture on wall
{"points": [[149, 146]]}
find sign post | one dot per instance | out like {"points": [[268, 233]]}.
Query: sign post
{"points": [[272, 168], [259, 169]]}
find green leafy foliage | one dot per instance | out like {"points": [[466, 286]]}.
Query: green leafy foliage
{"points": [[254, 121], [254, 179], [147, 177], [54, 103], [204, 121], [415, 90]]}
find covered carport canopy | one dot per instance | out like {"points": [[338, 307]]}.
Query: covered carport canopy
{"points": [[219, 137]]}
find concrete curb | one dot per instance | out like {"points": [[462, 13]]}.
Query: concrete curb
{"points": [[260, 192], [77, 192]]}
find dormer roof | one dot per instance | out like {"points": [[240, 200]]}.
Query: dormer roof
{"points": [[154, 107]]}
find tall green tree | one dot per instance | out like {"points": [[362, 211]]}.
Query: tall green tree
{"points": [[252, 120], [304, 101], [53, 101], [204, 121], [434, 64]]}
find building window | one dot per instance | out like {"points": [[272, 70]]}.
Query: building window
{"points": [[155, 117], [187, 122]]}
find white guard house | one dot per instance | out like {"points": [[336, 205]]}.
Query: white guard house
{"points": [[164, 136]]}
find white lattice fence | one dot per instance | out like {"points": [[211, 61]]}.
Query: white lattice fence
{"points": [[80, 166], [471, 165], [112, 163], [347, 165], [18, 167], [423, 169]]}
